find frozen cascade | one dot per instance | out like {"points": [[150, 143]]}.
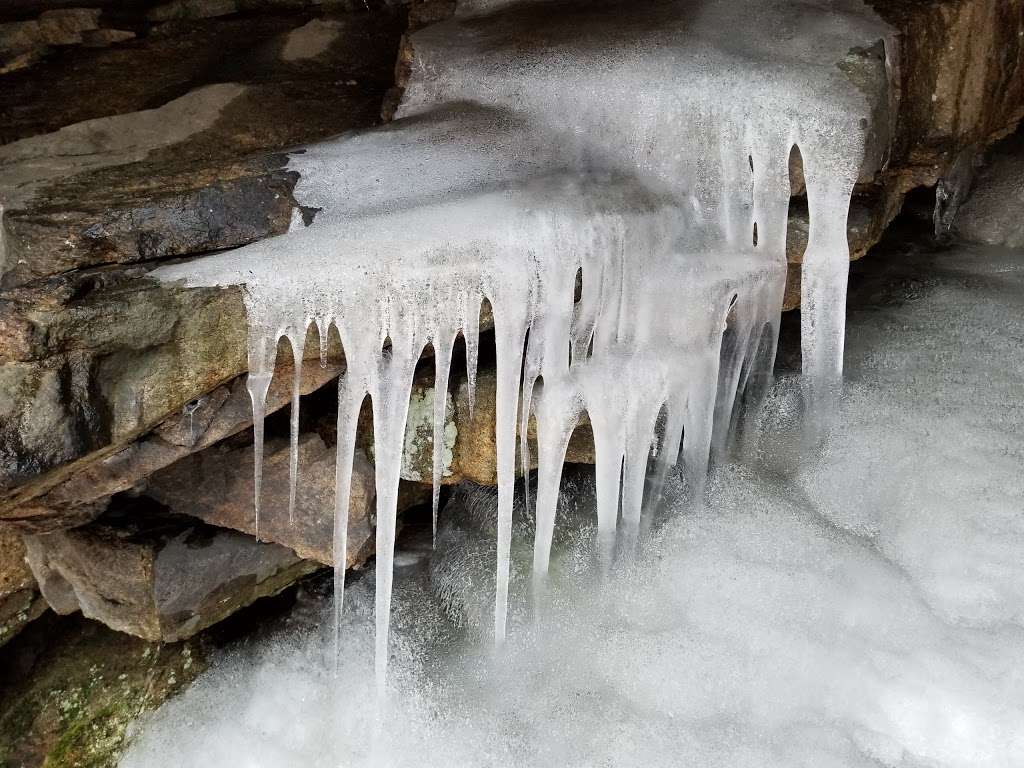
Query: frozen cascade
{"points": [[644, 149]]}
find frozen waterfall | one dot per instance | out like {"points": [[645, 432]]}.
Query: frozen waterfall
{"points": [[638, 150]]}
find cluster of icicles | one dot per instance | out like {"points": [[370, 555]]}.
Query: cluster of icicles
{"points": [[634, 269]]}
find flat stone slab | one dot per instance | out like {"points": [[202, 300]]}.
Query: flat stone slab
{"points": [[156, 576]]}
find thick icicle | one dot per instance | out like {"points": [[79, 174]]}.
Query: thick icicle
{"points": [[471, 335], [823, 285], [390, 400], [556, 419], [509, 333], [323, 333]]}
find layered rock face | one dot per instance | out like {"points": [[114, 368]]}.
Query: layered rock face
{"points": [[135, 137], [156, 576]]}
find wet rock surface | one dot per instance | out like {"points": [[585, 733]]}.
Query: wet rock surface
{"points": [[71, 688], [80, 491], [468, 434]]}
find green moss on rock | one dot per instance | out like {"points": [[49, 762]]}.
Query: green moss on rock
{"points": [[84, 685]]}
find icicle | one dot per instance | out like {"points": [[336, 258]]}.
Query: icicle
{"points": [[350, 398], [700, 414], [480, 190], [634, 472], [670, 445], [262, 354], [608, 451], [734, 352], [297, 339], [190, 411], [443, 342], [556, 419], [390, 401], [525, 409], [471, 335], [823, 286], [323, 328], [509, 333]]}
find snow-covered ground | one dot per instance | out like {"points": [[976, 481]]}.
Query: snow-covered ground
{"points": [[858, 604]]}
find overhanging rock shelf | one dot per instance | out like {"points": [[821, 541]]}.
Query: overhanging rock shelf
{"points": [[642, 149]]}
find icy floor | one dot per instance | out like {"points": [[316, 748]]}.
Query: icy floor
{"points": [[865, 609]]}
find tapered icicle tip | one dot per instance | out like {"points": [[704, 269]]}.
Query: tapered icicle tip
{"points": [[258, 384]]}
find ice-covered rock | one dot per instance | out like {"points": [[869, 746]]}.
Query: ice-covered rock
{"points": [[669, 207]]}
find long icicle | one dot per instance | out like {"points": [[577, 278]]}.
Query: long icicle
{"points": [[509, 333], [350, 398], [443, 343], [390, 401], [297, 339]]}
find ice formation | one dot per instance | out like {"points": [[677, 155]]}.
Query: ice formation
{"points": [[866, 612], [642, 148]]}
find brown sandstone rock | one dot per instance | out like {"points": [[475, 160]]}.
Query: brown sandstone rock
{"points": [[22, 43], [475, 457], [961, 71], [78, 492], [72, 689], [217, 487], [98, 359], [469, 449]]}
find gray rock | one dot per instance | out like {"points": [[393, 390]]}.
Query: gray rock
{"points": [[93, 355], [96, 360], [994, 213], [158, 577]]}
